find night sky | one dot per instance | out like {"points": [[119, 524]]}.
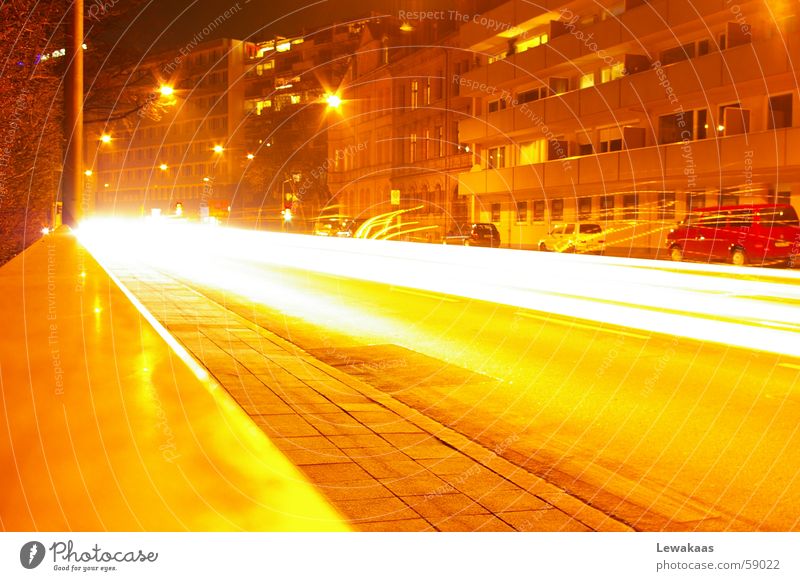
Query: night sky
{"points": [[173, 23]]}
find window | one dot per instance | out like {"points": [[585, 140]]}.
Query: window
{"points": [[778, 217], [733, 120], [586, 81], [584, 208], [522, 212], [728, 198], [677, 54], [414, 94], [670, 128], [780, 111], [740, 219], [612, 73], [584, 141], [695, 201], [538, 210], [610, 139], [607, 207], [495, 212], [666, 206], [533, 152], [439, 132], [557, 209], [412, 156], [496, 158], [532, 42], [630, 206], [532, 95], [559, 85], [428, 91], [495, 106]]}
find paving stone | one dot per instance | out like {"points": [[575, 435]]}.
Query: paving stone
{"points": [[341, 472], [440, 506], [510, 500], [471, 523], [477, 480], [416, 485], [285, 425], [384, 453], [303, 443], [355, 490], [337, 424], [357, 440], [403, 526], [376, 510], [260, 408], [454, 464], [392, 469], [316, 456], [550, 520], [316, 408], [361, 407], [297, 394]]}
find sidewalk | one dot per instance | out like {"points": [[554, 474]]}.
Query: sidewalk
{"points": [[104, 428], [382, 464]]}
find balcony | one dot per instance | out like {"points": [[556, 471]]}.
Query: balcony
{"points": [[706, 163]]}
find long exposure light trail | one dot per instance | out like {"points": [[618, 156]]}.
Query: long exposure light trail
{"points": [[746, 307]]}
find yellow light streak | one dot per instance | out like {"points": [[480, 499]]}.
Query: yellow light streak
{"points": [[713, 303]]}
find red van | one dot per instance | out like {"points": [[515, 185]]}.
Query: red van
{"points": [[751, 234]]}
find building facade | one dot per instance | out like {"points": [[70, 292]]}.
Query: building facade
{"points": [[285, 127], [182, 147], [394, 144], [628, 114]]}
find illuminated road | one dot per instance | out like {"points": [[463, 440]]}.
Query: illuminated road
{"points": [[662, 432]]}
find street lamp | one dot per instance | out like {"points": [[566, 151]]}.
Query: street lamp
{"points": [[218, 149], [163, 167], [166, 90], [105, 138], [333, 100]]}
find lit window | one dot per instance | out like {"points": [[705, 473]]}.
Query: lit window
{"points": [[533, 152], [612, 73], [532, 42], [587, 81], [295, 99], [496, 158], [414, 94]]}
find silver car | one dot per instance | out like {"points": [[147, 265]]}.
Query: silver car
{"points": [[581, 238]]}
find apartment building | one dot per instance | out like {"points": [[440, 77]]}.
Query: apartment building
{"points": [[628, 114], [394, 142], [181, 148]]}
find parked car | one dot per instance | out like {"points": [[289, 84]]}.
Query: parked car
{"points": [[746, 234], [341, 227], [479, 234], [583, 238]]}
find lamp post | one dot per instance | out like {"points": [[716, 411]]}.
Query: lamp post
{"points": [[72, 180]]}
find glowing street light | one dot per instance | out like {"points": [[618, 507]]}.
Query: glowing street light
{"points": [[105, 138], [163, 167], [334, 101], [166, 90], [88, 173], [251, 156], [218, 149]]}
